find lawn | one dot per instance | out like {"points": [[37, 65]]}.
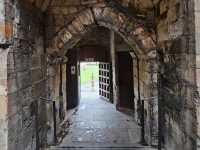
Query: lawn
{"points": [[87, 71]]}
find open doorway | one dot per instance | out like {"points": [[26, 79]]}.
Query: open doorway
{"points": [[89, 79], [96, 123]]}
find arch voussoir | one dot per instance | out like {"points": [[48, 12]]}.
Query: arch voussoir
{"points": [[131, 30]]}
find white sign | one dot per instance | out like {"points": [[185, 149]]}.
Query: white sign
{"points": [[73, 70]]}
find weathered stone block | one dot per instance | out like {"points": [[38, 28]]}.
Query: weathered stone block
{"points": [[3, 58], [198, 77], [197, 5], [3, 107], [12, 83], [72, 10], [163, 7], [3, 86], [14, 104], [23, 79], [86, 2], [86, 18], [3, 73], [198, 61], [27, 137], [38, 89], [3, 134], [25, 96], [175, 29], [162, 29], [172, 14], [72, 2], [35, 61], [14, 131], [197, 20], [197, 36], [72, 30], [22, 61], [36, 75]]}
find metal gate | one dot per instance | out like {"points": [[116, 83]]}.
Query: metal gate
{"points": [[105, 80]]}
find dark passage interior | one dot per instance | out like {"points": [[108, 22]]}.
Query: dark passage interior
{"points": [[96, 122]]}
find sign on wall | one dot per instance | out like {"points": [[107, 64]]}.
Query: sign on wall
{"points": [[73, 70]]}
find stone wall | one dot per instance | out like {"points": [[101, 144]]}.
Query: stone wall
{"points": [[3, 98], [56, 91], [197, 40], [28, 48], [26, 77], [177, 83], [149, 92], [132, 32], [23, 77], [30, 77], [145, 81]]}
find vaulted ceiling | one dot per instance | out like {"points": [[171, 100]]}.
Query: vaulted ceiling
{"points": [[101, 36], [60, 12]]}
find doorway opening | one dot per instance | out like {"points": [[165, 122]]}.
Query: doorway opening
{"points": [[96, 124], [89, 79]]}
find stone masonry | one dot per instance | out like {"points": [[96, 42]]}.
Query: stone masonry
{"points": [[35, 36]]}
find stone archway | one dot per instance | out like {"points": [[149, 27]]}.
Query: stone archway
{"points": [[132, 30], [179, 49], [175, 81]]}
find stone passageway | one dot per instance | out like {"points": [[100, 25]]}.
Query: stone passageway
{"points": [[149, 61], [96, 125]]}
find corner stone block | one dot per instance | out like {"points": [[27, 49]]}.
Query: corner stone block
{"points": [[66, 36], [86, 18]]}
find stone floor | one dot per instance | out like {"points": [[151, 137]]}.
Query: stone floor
{"points": [[96, 125]]}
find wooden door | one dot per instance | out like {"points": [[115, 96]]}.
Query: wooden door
{"points": [[72, 80], [125, 76]]}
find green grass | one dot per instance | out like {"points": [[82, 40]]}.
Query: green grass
{"points": [[87, 71]]}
